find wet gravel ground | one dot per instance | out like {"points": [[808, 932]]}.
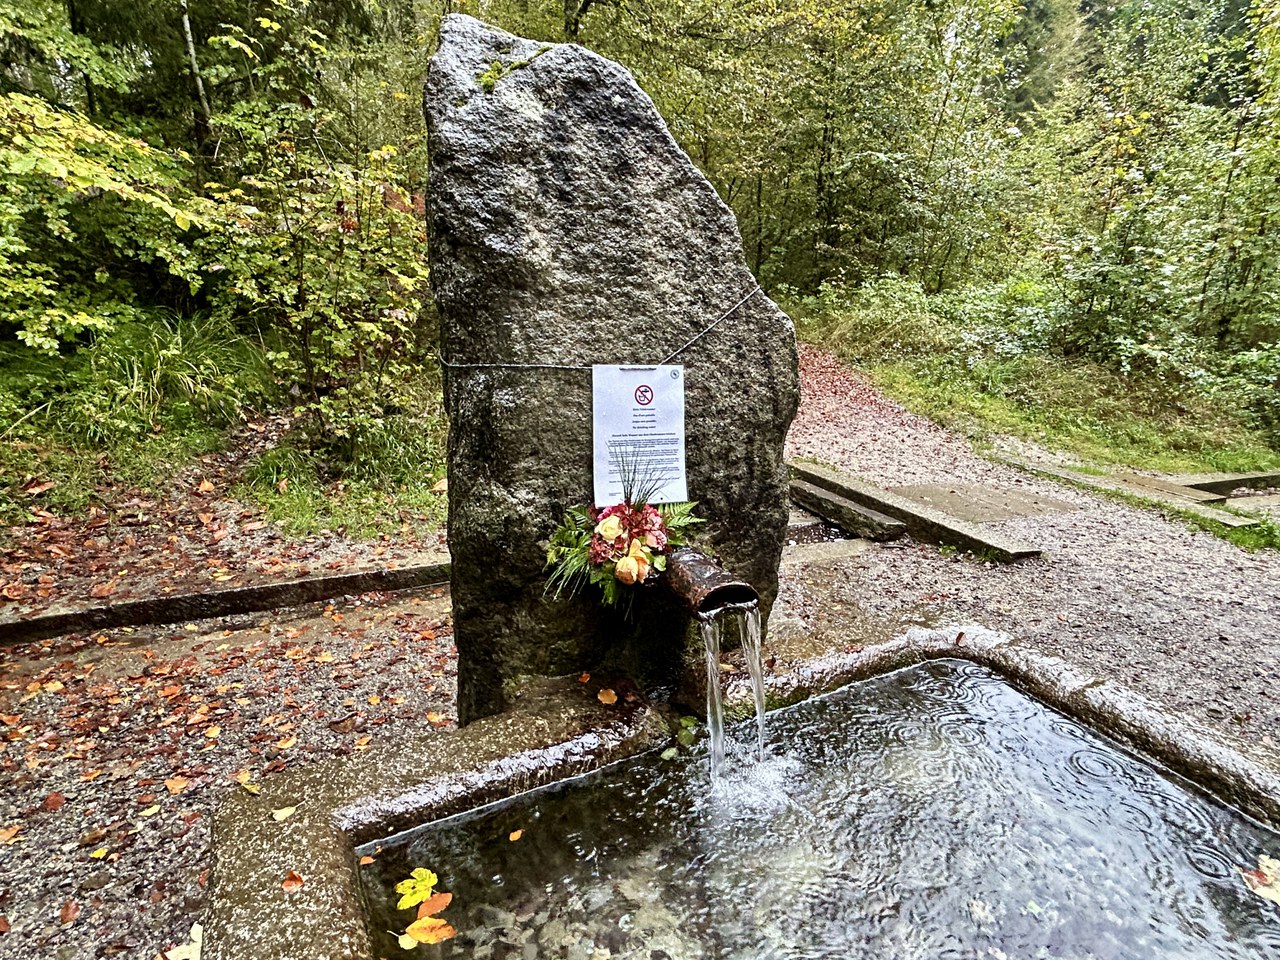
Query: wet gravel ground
{"points": [[1183, 617], [116, 748]]}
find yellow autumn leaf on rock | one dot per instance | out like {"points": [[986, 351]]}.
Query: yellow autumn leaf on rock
{"points": [[430, 930], [416, 889], [284, 813]]}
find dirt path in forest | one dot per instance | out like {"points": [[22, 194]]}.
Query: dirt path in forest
{"points": [[1183, 617]]}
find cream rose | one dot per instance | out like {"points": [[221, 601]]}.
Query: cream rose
{"points": [[610, 528]]}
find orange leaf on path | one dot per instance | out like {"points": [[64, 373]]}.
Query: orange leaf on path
{"points": [[104, 589], [4, 924], [54, 801], [70, 910], [366, 860], [206, 486], [176, 785], [292, 882], [607, 697], [515, 835], [8, 834]]}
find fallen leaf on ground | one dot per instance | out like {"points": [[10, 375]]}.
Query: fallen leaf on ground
{"points": [[10, 834], [150, 811], [104, 589], [175, 785], [99, 853], [607, 697], [284, 813], [70, 910], [54, 802], [206, 486], [440, 486], [213, 732], [4, 924], [292, 882], [366, 860], [515, 835], [1265, 881], [584, 678], [191, 949]]}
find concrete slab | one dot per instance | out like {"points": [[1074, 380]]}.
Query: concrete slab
{"points": [[1170, 487], [1226, 482], [982, 504], [1147, 493], [855, 520], [924, 523]]}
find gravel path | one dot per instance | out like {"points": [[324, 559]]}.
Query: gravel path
{"points": [[1183, 617], [116, 748]]}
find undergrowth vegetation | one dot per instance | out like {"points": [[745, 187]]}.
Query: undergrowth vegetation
{"points": [[996, 360]]}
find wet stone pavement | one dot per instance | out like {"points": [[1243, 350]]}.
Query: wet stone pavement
{"points": [[116, 748]]}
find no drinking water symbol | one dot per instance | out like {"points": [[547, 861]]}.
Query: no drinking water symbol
{"points": [[644, 395]]}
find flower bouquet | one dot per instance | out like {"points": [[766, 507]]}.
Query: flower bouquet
{"points": [[618, 547]]}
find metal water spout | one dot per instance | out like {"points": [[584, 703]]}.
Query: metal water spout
{"points": [[704, 586]]}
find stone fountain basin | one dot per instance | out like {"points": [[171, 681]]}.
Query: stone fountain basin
{"points": [[556, 730]]}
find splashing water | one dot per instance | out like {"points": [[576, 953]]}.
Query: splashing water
{"points": [[746, 617]]}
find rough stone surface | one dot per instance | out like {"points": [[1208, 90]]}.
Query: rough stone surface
{"points": [[567, 227]]}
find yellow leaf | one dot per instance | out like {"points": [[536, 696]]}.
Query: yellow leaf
{"points": [[213, 732], [416, 889], [366, 860], [150, 811], [431, 930], [176, 785], [607, 697], [99, 853], [515, 835], [407, 942], [286, 743], [284, 813]]}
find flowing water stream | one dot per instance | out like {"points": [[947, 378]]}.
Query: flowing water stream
{"points": [[745, 618], [931, 814]]}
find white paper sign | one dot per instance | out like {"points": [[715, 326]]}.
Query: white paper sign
{"points": [[638, 415]]}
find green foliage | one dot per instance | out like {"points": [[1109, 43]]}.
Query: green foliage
{"points": [[87, 218]]}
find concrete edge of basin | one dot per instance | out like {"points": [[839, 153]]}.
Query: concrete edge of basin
{"points": [[554, 730], [1133, 721]]}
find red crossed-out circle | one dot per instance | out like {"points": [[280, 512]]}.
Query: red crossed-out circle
{"points": [[644, 395]]}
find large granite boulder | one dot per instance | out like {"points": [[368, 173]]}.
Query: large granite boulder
{"points": [[567, 227]]}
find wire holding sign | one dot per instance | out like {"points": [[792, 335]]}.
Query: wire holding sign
{"points": [[638, 419]]}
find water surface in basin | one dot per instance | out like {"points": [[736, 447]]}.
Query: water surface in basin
{"points": [[932, 813]]}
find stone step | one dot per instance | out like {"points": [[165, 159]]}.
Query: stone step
{"points": [[1226, 482], [1168, 486], [1119, 486], [855, 520], [924, 523]]}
